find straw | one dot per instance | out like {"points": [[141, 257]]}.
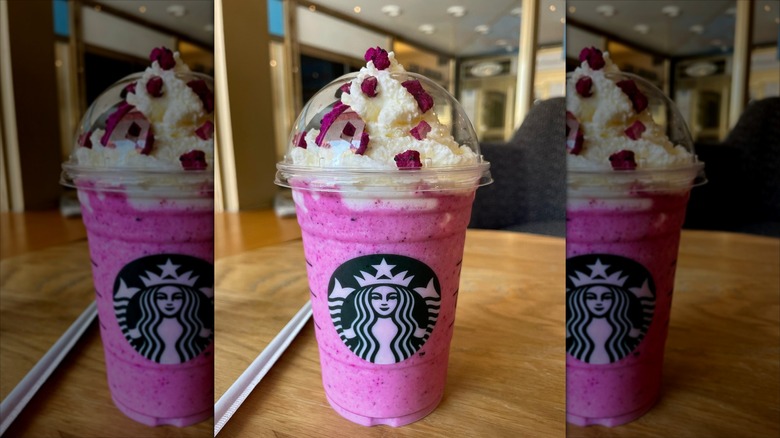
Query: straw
{"points": [[13, 404], [227, 405]]}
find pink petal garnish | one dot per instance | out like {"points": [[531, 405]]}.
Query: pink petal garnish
{"points": [[421, 130], [623, 160], [594, 57], [379, 56], [328, 120], [164, 57], [583, 86], [349, 130], [154, 86], [206, 130], [574, 136], [193, 160], [129, 88], [368, 87], [408, 160], [202, 90], [424, 100], [300, 140], [345, 88], [85, 140], [148, 143], [364, 139], [638, 100], [635, 130], [114, 119]]}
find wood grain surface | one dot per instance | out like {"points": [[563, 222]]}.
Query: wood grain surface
{"points": [[506, 373]]}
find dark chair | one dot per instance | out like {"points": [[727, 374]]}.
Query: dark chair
{"points": [[529, 172], [743, 192]]}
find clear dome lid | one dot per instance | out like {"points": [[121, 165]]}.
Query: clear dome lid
{"points": [[344, 155], [162, 135], [667, 116]]}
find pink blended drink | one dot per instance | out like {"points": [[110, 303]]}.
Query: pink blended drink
{"points": [[142, 168], [383, 233], [628, 190]]}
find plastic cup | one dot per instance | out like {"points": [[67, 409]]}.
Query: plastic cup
{"points": [[151, 242], [622, 236], [383, 253]]}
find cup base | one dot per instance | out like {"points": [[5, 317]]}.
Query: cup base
{"points": [[389, 421], [610, 421], [156, 421]]}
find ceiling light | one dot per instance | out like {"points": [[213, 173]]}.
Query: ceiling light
{"points": [[671, 11], [456, 11], [427, 29], [357, 9], [700, 69], [697, 29], [486, 69], [312, 8], [563, 20], [273, 63], [606, 10], [142, 9], [391, 10], [552, 8], [484, 29], [767, 8], [642, 28], [516, 11], [572, 9], [177, 11]]}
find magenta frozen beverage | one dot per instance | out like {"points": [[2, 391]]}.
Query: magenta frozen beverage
{"points": [[143, 168], [383, 190]]}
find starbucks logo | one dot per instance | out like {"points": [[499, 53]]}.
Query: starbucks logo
{"points": [[164, 305], [384, 306], [610, 302]]}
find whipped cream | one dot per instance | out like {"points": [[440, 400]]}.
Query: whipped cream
{"points": [[389, 118], [604, 118], [174, 117]]}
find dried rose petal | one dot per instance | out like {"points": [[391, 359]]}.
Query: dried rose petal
{"points": [[129, 88], [148, 143], [328, 120], [345, 88], [623, 160], [202, 90], [638, 100], [379, 56], [206, 130], [368, 87], [164, 57], [408, 160], [421, 130], [594, 57], [114, 119], [349, 130], [133, 131], [635, 130], [364, 139], [583, 86], [574, 136], [300, 140], [154, 86], [193, 160], [424, 100], [85, 140]]}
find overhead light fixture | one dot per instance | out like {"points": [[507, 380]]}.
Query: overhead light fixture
{"points": [[484, 29], [572, 9], [700, 69], [698, 29], [456, 11], [312, 8], [142, 9], [552, 8], [391, 10], [516, 11], [357, 9], [563, 20], [427, 29], [767, 8], [606, 10], [642, 28], [177, 11], [486, 69], [671, 11]]}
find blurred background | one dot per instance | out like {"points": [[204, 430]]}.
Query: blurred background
{"points": [[502, 59]]}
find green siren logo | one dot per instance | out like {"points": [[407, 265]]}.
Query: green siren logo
{"points": [[610, 301], [164, 305], [384, 306]]}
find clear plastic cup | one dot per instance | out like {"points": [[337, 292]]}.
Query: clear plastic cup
{"points": [[622, 237], [151, 242], [383, 251]]}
